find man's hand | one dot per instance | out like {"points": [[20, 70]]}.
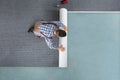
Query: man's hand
{"points": [[61, 48], [65, 28]]}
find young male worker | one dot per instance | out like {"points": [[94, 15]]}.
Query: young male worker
{"points": [[49, 30]]}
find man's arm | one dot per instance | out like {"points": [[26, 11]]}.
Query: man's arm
{"points": [[60, 24], [51, 45]]}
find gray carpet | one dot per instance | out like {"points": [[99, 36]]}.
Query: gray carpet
{"points": [[17, 47], [93, 5]]}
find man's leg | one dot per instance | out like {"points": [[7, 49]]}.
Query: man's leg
{"points": [[37, 24]]}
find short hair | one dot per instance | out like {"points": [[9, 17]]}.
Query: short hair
{"points": [[61, 33], [31, 29]]}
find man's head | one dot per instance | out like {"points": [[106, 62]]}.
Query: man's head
{"points": [[60, 33]]}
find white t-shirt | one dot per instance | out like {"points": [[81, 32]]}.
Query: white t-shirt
{"points": [[38, 34]]}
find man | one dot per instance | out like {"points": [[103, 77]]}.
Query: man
{"points": [[49, 30]]}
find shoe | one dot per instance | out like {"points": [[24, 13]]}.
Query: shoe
{"points": [[64, 2]]}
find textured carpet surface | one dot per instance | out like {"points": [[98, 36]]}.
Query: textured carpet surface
{"points": [[17, 47]]}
